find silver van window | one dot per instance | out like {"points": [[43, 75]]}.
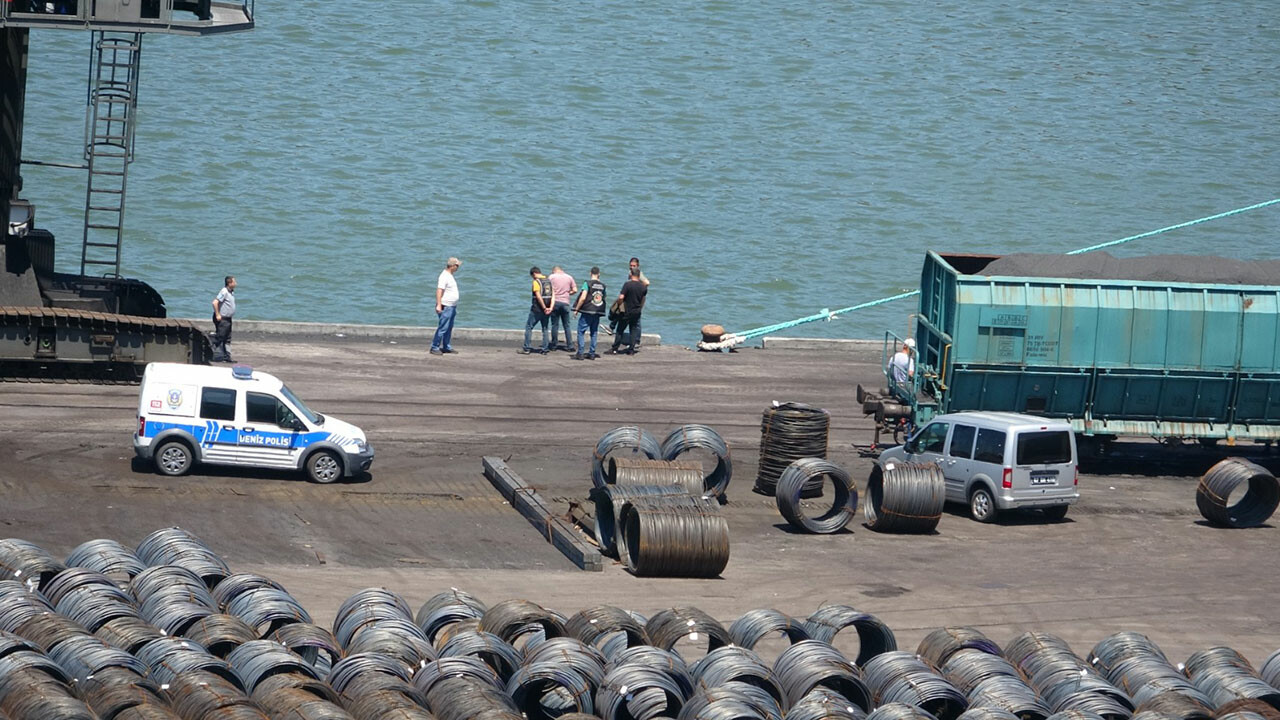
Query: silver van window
{"points": [[1050, 447], [933, 438], [962, 441], [990, 447]]}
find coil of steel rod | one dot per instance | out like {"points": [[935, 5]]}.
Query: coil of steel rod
{"points": [[627, 441], [171, 656], [1176, 706], [738, 664], [396, 637], [1133, 663], [257, 660], [674, 537], [1011, 694], [788, 432], [201, 694], [905, 497], [1248, 705], [112, 690], [609, 501], [823, 703], [312, 643], [900, 711], [531, 686], [684, 474], [173, 616], [967, 667], [1255, 507], [267, 610], [464, 698], [28, 563], [655, 658], [493, 650], [594, 625], [128, 633], [513, 619], [690, 438], [94, 607], [18, 603], [298, 702], [470, 668], [237, 584], [175, 546], [48, 630], [670, 626], [754, 625], [874, 637], [171, 581], [294, 681], [29, 693], [446, 608], [569, 652], [351, 667], [941, 644], [987, 713], [75, 578], [1224, 675], [638, 692], [811, 663], [1270, 671], [1244, 715], [107, 557], [220, 634], [900, 676], [85, 655], [448, 631], [801, 475], [731, 700]]}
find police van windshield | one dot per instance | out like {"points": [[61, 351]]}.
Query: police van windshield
{"points": [[312, 417]]}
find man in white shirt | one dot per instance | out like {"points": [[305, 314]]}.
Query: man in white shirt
{"points": [[224, 308], [902, 365], [446, 307]]}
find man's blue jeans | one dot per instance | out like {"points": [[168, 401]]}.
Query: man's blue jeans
{"points": [[588, 323], [536, 316], [560, 313], [443, 339]]}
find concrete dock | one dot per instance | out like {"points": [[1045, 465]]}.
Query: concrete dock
{"points": [[1134, 554]]}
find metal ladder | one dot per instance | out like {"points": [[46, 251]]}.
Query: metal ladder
{"points": [[114, 60]]}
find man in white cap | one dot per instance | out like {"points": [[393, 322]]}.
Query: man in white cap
{"points": [[903, 365]]}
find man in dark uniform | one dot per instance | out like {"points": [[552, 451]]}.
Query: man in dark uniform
{"points": [[632, 297], [590, 307]]}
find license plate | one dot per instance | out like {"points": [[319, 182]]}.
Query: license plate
{"points": [[1044, 477]]}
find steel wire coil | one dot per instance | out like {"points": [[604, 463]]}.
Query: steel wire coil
{"points": [[28, 563], [638, 692], [11, 642], [171, 581], [584, 659], [1066, 686], [174, 616], [987, 713], [595, 625], [107, 557], [85, 655], [363, 616], [373, 602], [446, 608], [171, 656], [532, 684], [1255, 507], [352, 666], [495, 652], [655, 658], [731, 700], [449, 631], [874, 637], [220, 633], [941, 644], [674, 537], [905, 497], [397, 637], [788, 432], [1174, 706], [128, 633], [272, 685], [312, 643], [967, 667], [628, 472], [1033, 644], [77, 578], [32, 694], [49, 629], [387, 704], [798, 478], [233, 586], [465, 698], [18, 603], [809, 664], [266, 610], [301, 705], [257, 660], [626, 441], [900, 711], [1075, 715], [459, 666], [670, 626], [1248, 705], [1009, 693], [154, 712], [823, 703], [92, 608], [754, 625], [114, 689], [901, 676], [29, 661], [733, 664], [1270, 671], [688, 438], [513, 619], [197, 694], [1120, 646], [1242, 715], [175, 546], [1224, 675], [578, 716], [609, 502], [1144, 677]]}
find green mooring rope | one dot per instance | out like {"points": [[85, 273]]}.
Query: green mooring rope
{"points": [[825, 314]]}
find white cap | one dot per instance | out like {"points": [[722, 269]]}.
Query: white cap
{"points": [[909, 343]]}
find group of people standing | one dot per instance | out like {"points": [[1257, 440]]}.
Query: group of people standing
{"points": [[554, 297]]}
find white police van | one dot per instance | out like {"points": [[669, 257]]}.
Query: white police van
{"points": [[237, 416]]}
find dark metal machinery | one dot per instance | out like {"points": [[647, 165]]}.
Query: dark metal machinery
{"points": [[93, 326]]}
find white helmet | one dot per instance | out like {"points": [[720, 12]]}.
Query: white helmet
{"points": [[909, 343]]}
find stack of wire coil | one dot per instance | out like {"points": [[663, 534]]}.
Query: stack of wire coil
{"points": [[788, 432], [905, 497]]}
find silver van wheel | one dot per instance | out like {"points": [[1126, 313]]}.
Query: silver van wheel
{"points": [[981, 505], [173, 458], [324, 467]]}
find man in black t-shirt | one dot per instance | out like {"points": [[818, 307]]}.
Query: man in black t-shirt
{"points": [[632, 297], [590, 307]]}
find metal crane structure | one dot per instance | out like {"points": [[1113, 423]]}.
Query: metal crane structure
{"points": [[96, 325]]}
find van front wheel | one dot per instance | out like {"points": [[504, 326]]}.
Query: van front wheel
{"points": [[324, 467], [982, 507], [173, 458]]}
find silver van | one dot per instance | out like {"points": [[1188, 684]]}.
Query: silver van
{"points": [[995, 461]]}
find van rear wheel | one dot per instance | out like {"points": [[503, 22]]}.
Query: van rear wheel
{"points": [[982, 507], [324, 467], [173, 458]]}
